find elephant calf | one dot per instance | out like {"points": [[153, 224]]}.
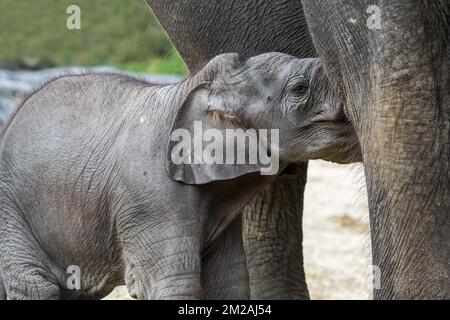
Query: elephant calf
{"points": [[90, 193]]}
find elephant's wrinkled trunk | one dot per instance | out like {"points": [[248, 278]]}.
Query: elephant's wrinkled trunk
{"points": [[405, 140]]}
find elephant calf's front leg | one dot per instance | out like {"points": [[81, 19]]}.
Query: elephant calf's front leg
{"points": [[224, 269], [2, 288], [161, 265], [273, 238]]}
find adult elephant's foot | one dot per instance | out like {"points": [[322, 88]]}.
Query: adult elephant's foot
{"points": [[273, 238]]}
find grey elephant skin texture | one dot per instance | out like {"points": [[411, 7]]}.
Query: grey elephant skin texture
{"points": [[396, 83], [272, 220], [86, 179]]}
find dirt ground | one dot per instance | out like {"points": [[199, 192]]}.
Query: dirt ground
{"points": [[336, 234]]}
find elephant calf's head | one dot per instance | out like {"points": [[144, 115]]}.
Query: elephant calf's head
{"points": [[272, 91]]}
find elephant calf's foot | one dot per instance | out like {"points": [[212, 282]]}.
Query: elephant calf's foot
{"points": [[174, 276], [2, 289], [181, 286], [130, 281]]}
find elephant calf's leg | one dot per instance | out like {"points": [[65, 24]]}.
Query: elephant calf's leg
{"points": [[161, 265], [27, 272], [224, 270], [26, 277], [273, 238], [31, 287], [2, 288]]}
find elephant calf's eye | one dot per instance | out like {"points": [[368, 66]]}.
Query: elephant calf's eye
{"points": [[300, 89]]}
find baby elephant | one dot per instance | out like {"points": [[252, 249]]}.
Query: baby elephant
{"points": [[99, 185]]}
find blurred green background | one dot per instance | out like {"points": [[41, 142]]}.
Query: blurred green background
{"points": [[121, 33]]}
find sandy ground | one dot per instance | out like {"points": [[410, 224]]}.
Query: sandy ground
{"points": [[336, 234]]}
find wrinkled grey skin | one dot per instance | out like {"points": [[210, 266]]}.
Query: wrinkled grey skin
{"points": [[83, 178], [396, 82], [202, 29], [2, 288]]}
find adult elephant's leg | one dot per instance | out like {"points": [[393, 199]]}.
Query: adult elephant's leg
{"points": [[273, 238], [396, 77]]}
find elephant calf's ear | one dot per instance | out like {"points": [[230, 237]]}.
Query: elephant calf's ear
{"points": [[197, 147]]}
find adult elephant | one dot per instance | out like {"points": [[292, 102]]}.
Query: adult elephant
{"points": [[396, 82], [202, 29], [395, 75]]}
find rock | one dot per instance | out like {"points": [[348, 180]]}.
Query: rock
{"points": [[13, 88], [7, 107]]}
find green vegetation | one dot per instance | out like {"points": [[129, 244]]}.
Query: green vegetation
{"points": [[171, 63], [113, 32]]}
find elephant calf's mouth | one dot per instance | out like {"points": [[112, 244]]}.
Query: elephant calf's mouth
{"points": [[339, 116], [336, 115]]}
